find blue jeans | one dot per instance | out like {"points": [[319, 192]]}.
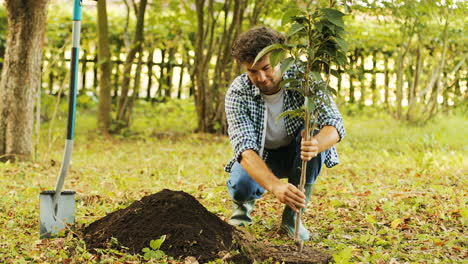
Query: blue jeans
{"points": [[284, 162]]}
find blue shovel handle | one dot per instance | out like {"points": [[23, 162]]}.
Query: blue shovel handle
{"points": [[71, 102]]}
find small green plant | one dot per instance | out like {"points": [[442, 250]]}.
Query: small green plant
{"points": [[154, 252], [317, 48]]}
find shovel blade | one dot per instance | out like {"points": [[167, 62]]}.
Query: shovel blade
{"points": [[52, 225]]}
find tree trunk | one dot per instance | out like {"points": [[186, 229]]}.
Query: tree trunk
{"points": [[149, 65], [351, 77], [136, 89], [84, 61], [386, 80], [181, 79], [362, 77], [105, 70], [375, 92], [209, 97], [95, 72], [138, 39], [169, 72], [21, 76], [160, 91]]}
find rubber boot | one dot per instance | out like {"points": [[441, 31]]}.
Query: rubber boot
{"points": [[288, 220], [241, 213]]}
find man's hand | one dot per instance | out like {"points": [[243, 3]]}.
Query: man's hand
{"points": [[289, 195], [309, 148]]}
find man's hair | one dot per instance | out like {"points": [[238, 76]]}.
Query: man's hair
{"points": [[250, 43]]}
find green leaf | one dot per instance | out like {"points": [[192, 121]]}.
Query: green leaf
{"points": [[276, 56], [296, 27], [297, 89], [286, 64], [335, 73], [310, 104], [332, 90], [156, 244], [316, 75], [319, 26], [159, 254], [343, 256], [342, 44], [267, 49], [289, 14], [341, 58], [292, 113], [288, 81], [334, 16]]}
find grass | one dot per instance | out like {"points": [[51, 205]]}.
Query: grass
{"points": [[398, 196]]}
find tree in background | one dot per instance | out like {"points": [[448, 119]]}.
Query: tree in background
{"points": [[21, 76], [218, 24], [125, 103], [105, 69]]}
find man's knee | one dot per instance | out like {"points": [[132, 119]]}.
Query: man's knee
{"points": [[242, 188]]}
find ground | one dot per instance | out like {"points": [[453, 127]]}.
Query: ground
{"points": [[398, 195]]}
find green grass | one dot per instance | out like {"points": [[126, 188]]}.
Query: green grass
{"points": [[399, 193]]}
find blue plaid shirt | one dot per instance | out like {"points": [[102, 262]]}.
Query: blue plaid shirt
{"points": [[245, 112]]}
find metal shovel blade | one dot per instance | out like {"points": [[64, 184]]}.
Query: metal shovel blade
{"points": [[51, 224]]}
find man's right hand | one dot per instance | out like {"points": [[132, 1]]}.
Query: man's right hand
{"points": [[289, 195]]}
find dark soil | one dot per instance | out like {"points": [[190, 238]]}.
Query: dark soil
{"points": [[190, 230]]}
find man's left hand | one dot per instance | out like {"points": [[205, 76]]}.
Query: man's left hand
{"points": [[309, 148]]}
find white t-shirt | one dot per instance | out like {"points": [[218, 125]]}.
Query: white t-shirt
{"points": [[276, 135]]}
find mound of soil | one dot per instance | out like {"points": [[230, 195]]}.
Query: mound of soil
{"points": [[190, 229]]}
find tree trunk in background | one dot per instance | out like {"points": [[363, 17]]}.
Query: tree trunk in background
{"points": [[352, 60], [375, 93], [136, 89], [105, 70], [181, 79], [386, 80], [209, 97], [21, 76], [169, 72], [362, 99], [149, 65], [160, 91], [84, 62], [123, 106]]}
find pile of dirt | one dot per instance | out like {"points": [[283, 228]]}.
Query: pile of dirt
{"points": [[190, 229]]}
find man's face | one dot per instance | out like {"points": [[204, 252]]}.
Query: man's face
{"points": [[263, 75]]}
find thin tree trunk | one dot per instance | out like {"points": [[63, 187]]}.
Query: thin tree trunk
{"points": [[149, 64], [160, 91], [136, 48], [386, 80], [169, 72], [351, 77], [95, 72], [84, 61], [362, 77], [375, 93], [105, 70], [181, 79], [136, 89], [21, 75]]}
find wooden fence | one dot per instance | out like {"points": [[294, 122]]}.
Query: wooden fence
{"points": [[369, 80]]}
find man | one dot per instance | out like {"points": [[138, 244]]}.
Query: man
{"points": [[267, 148]]}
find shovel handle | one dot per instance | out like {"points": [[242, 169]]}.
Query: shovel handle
{"points": [[71, 102]]}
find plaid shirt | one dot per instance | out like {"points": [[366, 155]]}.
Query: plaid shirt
{"points": [[245, 112]]}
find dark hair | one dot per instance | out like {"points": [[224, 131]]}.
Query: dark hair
{"points": [[250, 43]]}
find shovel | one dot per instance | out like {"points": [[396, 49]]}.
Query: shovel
{"points": [[57, 207]]}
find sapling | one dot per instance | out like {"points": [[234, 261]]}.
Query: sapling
{"points": [[316, 48]]}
